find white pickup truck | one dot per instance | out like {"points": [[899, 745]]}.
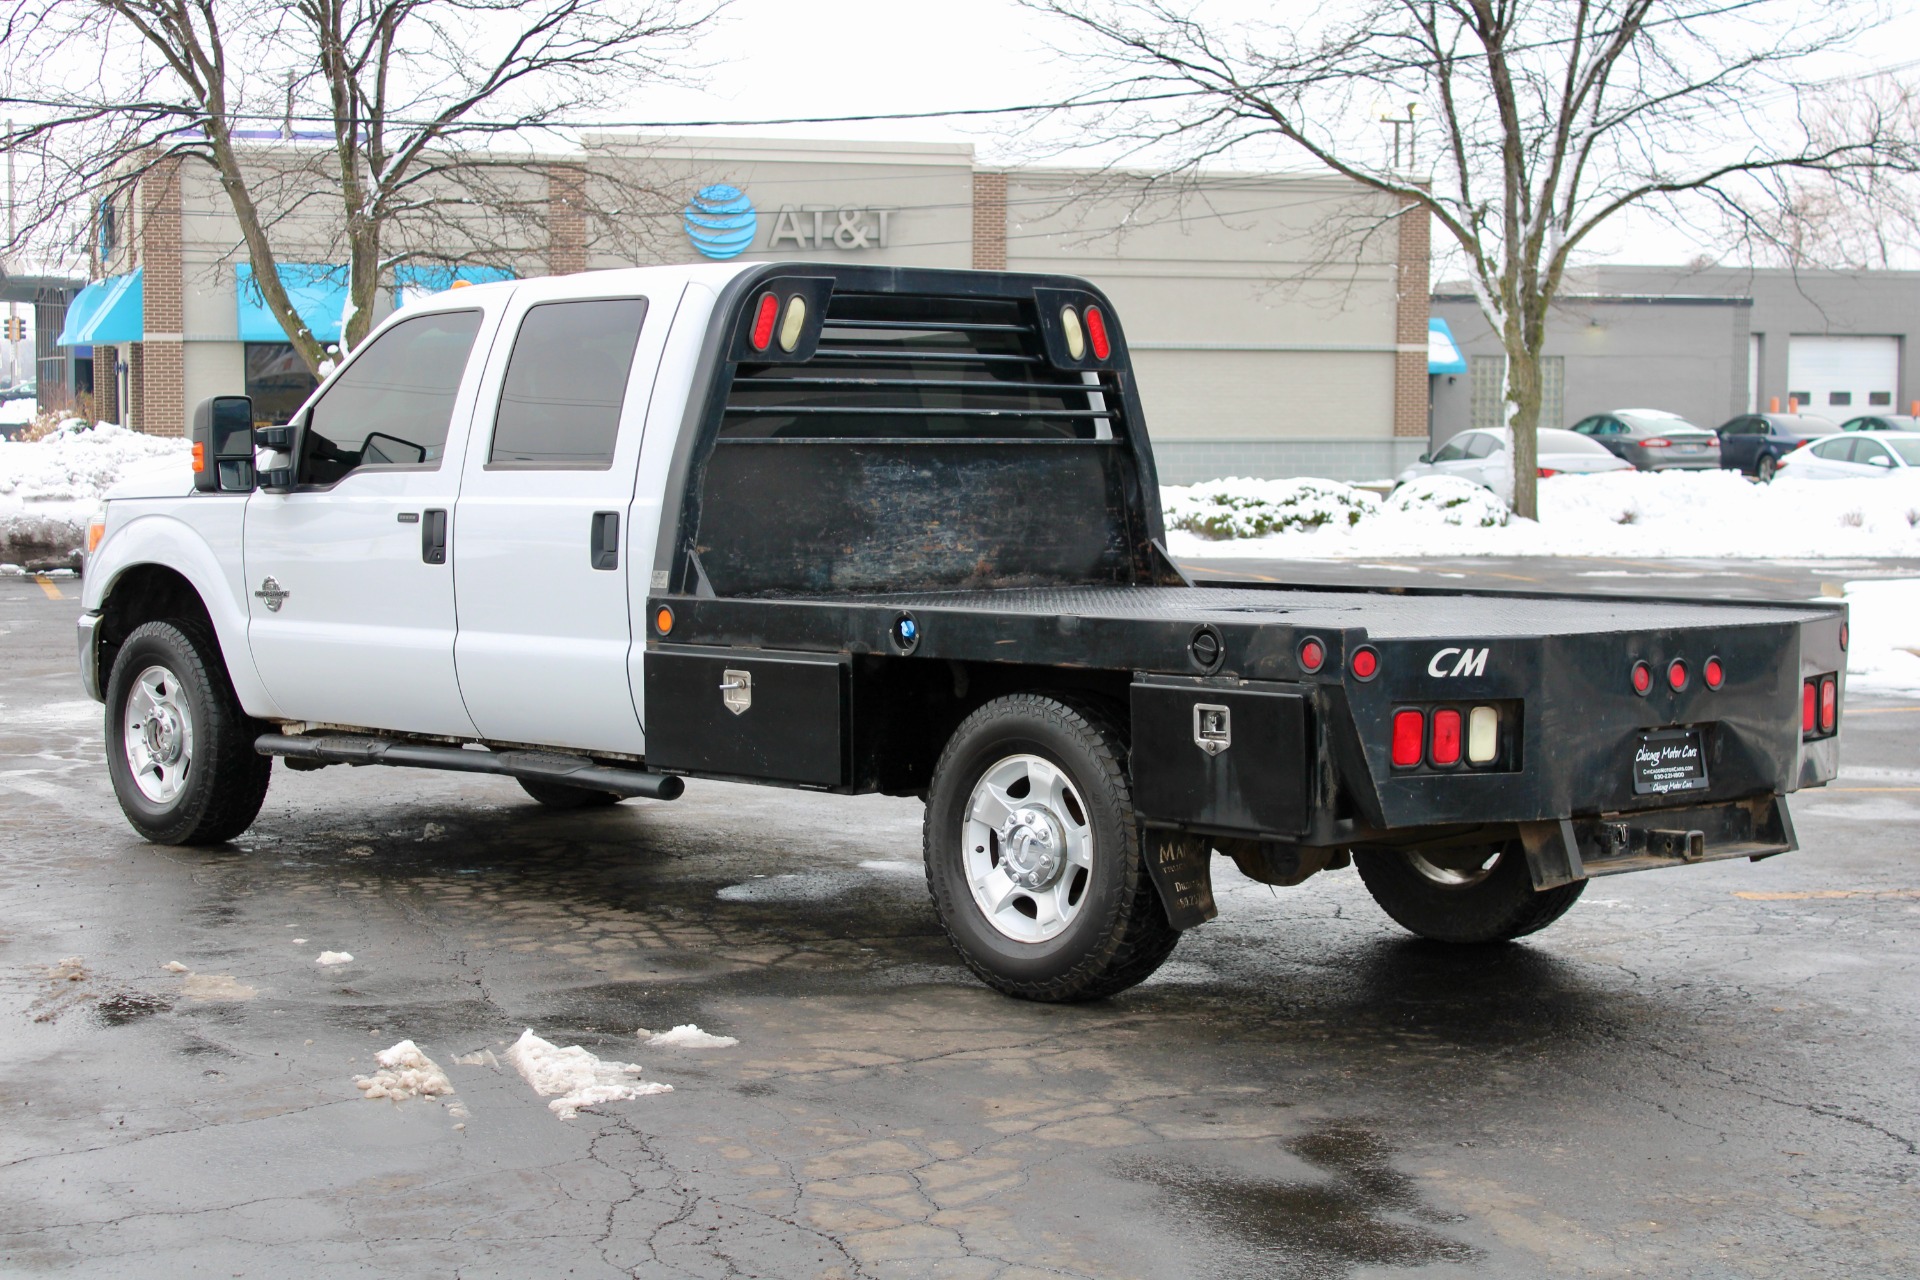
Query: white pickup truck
{"points": [[882, 529]]}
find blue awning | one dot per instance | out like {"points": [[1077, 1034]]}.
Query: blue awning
{"points": [[318, 291], [411, 281], [111, 310], [1443, 353]]}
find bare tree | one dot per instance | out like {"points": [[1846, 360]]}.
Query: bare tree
{"points": [[1548, 117], [419, 115]]}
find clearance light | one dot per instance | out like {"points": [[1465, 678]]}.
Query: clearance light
{"points": [[1409, 735], [96, 530], [1097, 333], [199, 456], [1446, 737], [1076, 336], [1716, 674], [1808, 701], [794, 324], [1313, 654], [1642, 678], [1483, 735], [1829, 704], [1677, 675], [767, 310], [663, 620], [1365, 663]]}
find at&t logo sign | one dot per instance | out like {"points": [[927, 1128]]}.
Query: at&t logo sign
{"points": [[721, 222]]}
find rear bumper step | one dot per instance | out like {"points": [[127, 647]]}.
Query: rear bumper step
{"points": [[537, 766], [1580, 848]]}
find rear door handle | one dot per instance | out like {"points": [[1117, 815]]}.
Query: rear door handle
{"points": [[433, 536], [605, 546]]}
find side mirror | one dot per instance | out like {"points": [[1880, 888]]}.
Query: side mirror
{"points": [[1426, 457], [223, 445], [1881, 461]]}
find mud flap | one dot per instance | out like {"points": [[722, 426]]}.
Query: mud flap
{"points": [[1181, 866]]}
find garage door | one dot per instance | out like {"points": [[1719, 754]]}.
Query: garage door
{"points": [[1839, 377]]}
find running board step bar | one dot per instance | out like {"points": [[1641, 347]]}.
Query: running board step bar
{"points": [[539, 766]]}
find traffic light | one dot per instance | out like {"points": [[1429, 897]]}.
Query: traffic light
{"points": [[16, 329]]}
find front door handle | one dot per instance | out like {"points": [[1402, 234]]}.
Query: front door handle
{"points": [[605, 543], [433, 536]]}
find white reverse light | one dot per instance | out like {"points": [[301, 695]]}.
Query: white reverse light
{"points": [[1483, 735]]}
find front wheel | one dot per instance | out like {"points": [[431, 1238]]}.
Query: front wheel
{"points": [[1764, 469], [1463, 895], [179, 747], [1033, 857]]}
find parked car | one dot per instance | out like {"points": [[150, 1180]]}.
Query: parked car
{"points": [[1653, 439], [1882, 422], [1479, 455], [1856, 456], [1754, 443]]}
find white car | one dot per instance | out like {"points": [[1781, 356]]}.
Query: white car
{"points": [[1480, 455], [1856, 455]]}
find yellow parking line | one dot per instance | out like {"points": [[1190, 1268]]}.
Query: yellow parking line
{"points": [[49, 586], [1870, 788], [1804, 895], [1879, 711]]}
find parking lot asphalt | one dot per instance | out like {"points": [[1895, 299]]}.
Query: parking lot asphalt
{"points": [[1707, 1071]]}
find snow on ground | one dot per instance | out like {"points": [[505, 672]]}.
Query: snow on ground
{"points": [[405, 1072], [685, 1036], [574, 1078], [51, 487], [333, 957], [1630, 513], [1883, 654]]}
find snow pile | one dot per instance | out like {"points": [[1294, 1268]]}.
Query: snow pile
{"points": [[1237, 508], [330, 958], [685, 1036], [405, 1072], [1883, 651], [49, 488], [1622, 513], [574, 1078], [1443, 500]]}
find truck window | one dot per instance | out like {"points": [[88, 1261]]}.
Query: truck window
{"points": [[392, 404], [887, 368], [566, 381]]}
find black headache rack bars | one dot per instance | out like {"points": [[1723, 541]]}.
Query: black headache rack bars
{"points": [[902, 429]]}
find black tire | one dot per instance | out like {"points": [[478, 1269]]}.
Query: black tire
{"points": [[219, 783], [1764, 470], [1499, 906], [558, 795], [1119, 933]]}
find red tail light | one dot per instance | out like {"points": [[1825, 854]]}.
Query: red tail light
{"points": [[1829, 704], [1642, 677], [1715, 673], [1677, 675], [1446, 737], [1365, 663], [1409, 737], [1658, 442], [1808, 701], [1097, 333], [1312, 654], [1547, 471], [767, 311]]}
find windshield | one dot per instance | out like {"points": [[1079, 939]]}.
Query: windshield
{"points": [[1664, 426], [1907, 447]]}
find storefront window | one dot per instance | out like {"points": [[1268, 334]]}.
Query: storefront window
{"points": [[277, 381]]}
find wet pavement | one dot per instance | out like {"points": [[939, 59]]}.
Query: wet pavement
{"points": [[1701, 1072]]}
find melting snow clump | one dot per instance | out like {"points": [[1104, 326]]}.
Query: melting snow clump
{"points": [[405, 1072], [687, 1036], [216, 986], [333, 957], [578, 1078], [174, 966]]}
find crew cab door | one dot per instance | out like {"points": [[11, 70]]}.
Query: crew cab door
{"points": [[350, 576], [547, 542]]}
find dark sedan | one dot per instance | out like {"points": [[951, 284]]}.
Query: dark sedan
{"points": [[1654, 440], [1754, 443]]}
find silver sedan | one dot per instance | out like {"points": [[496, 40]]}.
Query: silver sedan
{"points": [[1480, 455]]}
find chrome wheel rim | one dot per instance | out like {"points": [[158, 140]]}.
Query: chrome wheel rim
{"points": [[158, 735], [1456, 877], [1028, 848]]}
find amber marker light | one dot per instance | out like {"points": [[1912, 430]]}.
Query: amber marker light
{"points": [[96, 530], [663, 620]]}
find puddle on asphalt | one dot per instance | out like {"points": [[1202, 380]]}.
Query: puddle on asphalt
{"points": [[1364, 1213]]}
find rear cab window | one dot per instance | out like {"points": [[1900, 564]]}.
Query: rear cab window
{"points": [[565, 384]]}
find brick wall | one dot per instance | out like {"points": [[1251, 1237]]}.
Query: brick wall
{"points": [[566, 219], [106, 387], [989, 221], [163, 383], [136, 388], [1410, 386]]}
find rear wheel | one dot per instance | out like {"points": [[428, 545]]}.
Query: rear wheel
{"points": [[1033, 856], [179, 747], [1763, 470], [558, 795], [1464, 895]]}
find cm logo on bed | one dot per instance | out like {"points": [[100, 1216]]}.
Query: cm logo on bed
{"points": [[1458, 662]]}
